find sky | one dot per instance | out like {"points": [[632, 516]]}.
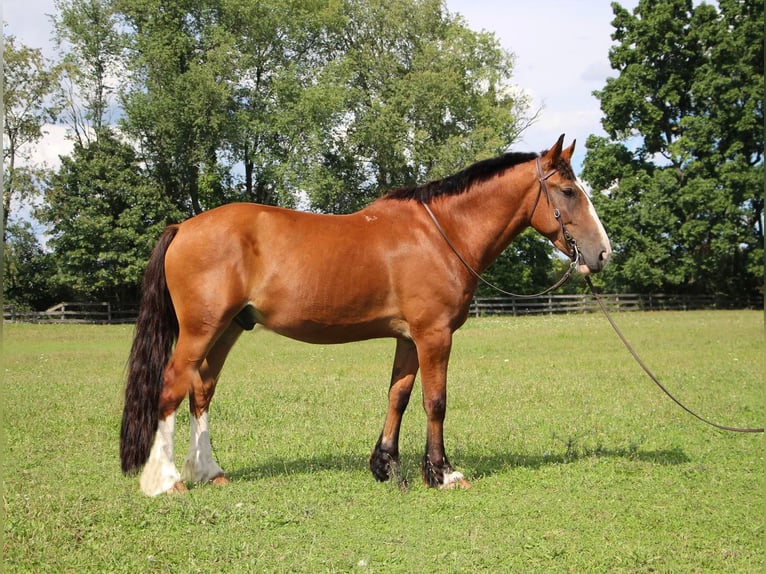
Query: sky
{"points": [[561, 49]]}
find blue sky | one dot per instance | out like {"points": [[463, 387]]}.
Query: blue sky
{"points": [[561, 49]]}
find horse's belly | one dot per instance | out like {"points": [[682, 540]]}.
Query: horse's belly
{"points": [[325, 332]]}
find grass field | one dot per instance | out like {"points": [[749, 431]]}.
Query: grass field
{"points": [[578, 463]]}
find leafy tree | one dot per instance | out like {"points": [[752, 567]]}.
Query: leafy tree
{"points": [[27, 269], [334, 100], [682, 168], [283, 101], [182, 64], [275, 101], [28, 79], [104, 215], [422, 96], [87, 30]]}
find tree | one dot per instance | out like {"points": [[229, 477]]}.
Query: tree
{"points": [[27, 269], [276, 101], [87, 30], [283, 100], [422, 96], [28, 79], [682, 166], [335, 101], [104, 215], [180, 101]]}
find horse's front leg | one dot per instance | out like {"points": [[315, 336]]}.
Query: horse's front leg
{"points": [[434, 358], [384, 461]]}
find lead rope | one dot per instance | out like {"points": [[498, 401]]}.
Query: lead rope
{"points": [[564, 278], [651, 375]]}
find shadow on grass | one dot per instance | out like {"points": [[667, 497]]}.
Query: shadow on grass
{"points": [[494, 463], [474, 465]]}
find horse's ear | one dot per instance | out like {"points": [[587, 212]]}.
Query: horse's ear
{"points": [[555, 152], [569, 152]]}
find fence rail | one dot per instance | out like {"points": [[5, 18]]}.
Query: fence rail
{"points": [[69, 312], [107, 313], [584, 303]]}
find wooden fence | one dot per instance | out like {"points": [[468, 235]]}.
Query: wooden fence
{"points": [[68, 312], [106, 313], [585, 303]]}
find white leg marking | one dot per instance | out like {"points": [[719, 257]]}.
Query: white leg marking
{"points": [[199, 465], [160, 474], [452, 477], [455, 479]]}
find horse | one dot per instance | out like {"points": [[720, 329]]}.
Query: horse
{"points": [[404, 267]]}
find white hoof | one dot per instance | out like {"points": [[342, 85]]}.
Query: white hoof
{"points": [[455, 479]]}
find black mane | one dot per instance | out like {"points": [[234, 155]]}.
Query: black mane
{"points": [[462, 180]]}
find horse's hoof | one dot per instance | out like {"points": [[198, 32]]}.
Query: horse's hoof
{"points": [[178, 488], [454, 480], [219, 480], [383, 465]]}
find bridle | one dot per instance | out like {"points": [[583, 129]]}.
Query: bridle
{"points": [[574, 252]]}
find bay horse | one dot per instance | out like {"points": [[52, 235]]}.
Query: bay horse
{"points": [[384, 271]]}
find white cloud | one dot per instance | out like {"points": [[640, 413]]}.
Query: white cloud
{"points": [[54, 143]]}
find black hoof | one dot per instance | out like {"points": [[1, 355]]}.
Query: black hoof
{"points": [[385, 466]]}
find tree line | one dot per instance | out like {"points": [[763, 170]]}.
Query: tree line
{"points": [[177, 107]]}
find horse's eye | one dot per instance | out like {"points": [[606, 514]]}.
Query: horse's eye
{"points": [[568, 191]]}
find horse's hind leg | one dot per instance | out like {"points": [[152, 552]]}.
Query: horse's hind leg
{"points": [[384, 461], [199, 465], [160, 474]]}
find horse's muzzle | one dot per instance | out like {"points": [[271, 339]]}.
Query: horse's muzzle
{"points": [[594, 265]]}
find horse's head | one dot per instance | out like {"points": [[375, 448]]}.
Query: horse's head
{"points": [[564, 213]]}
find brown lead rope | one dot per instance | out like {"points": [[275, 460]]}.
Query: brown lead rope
{"points": [[649, 372], [564, 278]]}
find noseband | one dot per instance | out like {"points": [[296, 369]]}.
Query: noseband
{"points": [[574, 252]]}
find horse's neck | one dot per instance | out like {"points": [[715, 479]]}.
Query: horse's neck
{"points": [[487, 218]]}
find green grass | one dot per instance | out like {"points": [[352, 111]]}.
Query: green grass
{"points": [[578, 463]]}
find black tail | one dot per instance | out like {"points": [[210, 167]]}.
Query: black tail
{"points": [[156, 332]]}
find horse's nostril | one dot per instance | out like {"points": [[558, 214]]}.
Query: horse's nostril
{"points": [[603, 256]]}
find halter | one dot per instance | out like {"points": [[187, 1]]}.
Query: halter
{"points": [[574, 252]]}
